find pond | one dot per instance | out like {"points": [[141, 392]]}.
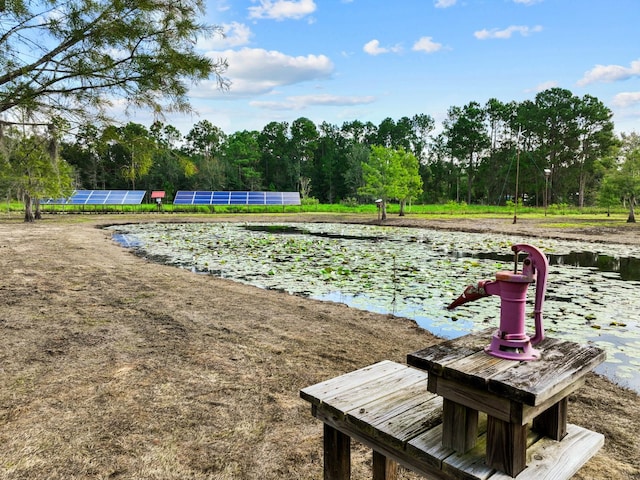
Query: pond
{"points": [[592, 292]]}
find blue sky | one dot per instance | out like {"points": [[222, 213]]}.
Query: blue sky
{"points": [[344, 60]]}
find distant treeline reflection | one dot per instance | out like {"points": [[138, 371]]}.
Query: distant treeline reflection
{"points": [[627, 267]]}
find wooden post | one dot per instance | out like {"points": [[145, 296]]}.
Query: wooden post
{"points": [[553, 421], [459, 426], [506, 446], [384, 468], [337, 454]]}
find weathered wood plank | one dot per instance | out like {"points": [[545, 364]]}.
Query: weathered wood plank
{"points": [[469, 362], [498, 406], [436, 357], [528, 413], [406, 425], [469, 466], [332, 387], [561, 365], [472, 465], [360, 394], [477, 368], [551, 460], [379, 409], [428, 449], [399, 416], [474, 398]]}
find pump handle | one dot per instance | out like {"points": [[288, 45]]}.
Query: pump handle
{"points": [[536, 264]]}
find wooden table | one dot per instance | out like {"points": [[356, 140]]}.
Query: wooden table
{"points": [[387, 406], [511, 393]]}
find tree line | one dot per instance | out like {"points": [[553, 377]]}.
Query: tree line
{"points": [[557, 148], [481, 154]]}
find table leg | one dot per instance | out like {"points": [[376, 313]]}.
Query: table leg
{"points": [[553, 421], [337, 454], [459, 426], [506, 446], [383, 467]]}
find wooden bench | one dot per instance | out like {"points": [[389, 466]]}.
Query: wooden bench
{"points": [[388, 407]]}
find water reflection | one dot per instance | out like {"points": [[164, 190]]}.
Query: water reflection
{"points": [[405, 309], [128, 241], [627, 267]]}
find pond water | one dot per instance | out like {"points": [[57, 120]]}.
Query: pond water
{"points": [[592, 292]]}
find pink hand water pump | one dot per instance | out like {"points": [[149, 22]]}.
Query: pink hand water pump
{"points": [[511, 341]]}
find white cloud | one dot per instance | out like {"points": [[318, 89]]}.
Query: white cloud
{"points": [[303, 101], [626, 99], [373, 48], [527, 2], [507, 32], [235, 35], [610, 73], [222, 6], [541, 87], [259, 71], [426, 44], [282, 9], [445, 3]]}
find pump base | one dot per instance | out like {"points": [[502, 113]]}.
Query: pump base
{"points": [[512, 349]]}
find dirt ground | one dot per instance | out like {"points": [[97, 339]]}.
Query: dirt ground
{"points": [[115, 368]]}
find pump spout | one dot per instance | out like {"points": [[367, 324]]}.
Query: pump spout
{"points": [[484, 288]]}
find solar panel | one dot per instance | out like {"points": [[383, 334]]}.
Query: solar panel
{"points": [[238, 198], [134, 197], [256, 198], [183, 197], [202, 198], [101, 197], [220, 198], [80, 197]]}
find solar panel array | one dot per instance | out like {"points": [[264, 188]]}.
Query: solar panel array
{"points": [[184, 197], [100, 197]]}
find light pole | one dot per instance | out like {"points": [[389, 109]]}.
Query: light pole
{"points": [[547, 173], [515, 204]]}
